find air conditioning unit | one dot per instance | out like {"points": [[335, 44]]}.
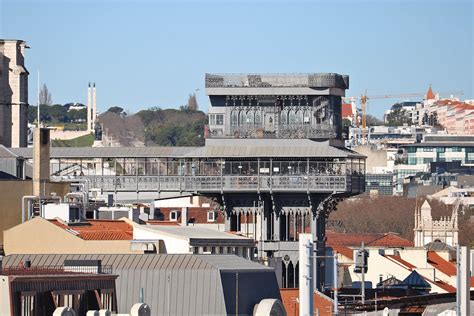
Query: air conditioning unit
{"points": [[211, 216]]}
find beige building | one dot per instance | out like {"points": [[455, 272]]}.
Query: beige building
{"points": [[11, 194], [13, 94], [41, 236]]}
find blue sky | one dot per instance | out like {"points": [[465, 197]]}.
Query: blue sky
{"points": [[154, 53]]}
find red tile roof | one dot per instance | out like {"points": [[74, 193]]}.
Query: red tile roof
{"points": [[441, 264], [346, 110], [375, 240], [430, 95], [391, 240], [398, 260], [349, 239], [403, 263], [99, 229], [289, 298], [343, 250]]}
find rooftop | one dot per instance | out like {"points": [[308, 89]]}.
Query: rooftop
{"points": [[214, 148], [192, 232], [98, 229], [286, 80]]}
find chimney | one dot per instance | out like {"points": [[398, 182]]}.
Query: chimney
{"points": [[89, 107], [41, 157], [94, 108]]}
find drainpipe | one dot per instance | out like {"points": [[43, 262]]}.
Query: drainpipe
{"points": [[23, 200]]}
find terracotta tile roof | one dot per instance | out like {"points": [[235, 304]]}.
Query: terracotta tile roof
{"points": [[289, 298], [398, 260], [99, 229], [403, 263], [445, 286], [349, 239], [430, 95], [345, 251], [441, 264], [346, 110], [375, 240], [391, 240]]}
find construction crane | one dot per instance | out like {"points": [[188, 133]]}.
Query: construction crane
{"points": [[364, 98]]}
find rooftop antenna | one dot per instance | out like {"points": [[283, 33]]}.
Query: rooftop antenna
{"points": [[38, 109]]}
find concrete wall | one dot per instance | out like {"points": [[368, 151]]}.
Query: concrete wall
{"points": [[11, 193], [66, 135], [39, 236], [172, 244], [375, 158], [4, 296]]}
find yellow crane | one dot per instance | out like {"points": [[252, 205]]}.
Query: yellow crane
{"points": [[365, 98]]}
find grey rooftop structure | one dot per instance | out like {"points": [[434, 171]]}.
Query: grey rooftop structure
{"points": [[179, 284], [217, 148]]}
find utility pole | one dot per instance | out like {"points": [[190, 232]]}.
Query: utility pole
{"points": [[363, 274], [335, 281]]}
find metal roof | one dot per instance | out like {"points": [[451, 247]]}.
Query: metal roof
{"points": [[214, 148], [178, 284], [193, 232], [7, 152]]}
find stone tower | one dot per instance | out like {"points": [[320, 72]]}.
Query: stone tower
{"points": [[428, 230], [13, 94]]}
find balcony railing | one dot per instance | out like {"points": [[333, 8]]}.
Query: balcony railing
{"points": [[228, 183]]}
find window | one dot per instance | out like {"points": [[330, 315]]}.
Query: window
{"points": [[174, 216], [212, 119], [219, 119], [211, 216]]}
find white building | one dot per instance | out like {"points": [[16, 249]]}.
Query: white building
{"points": [[175, 239], [428, 230]]}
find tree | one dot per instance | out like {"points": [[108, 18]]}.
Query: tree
{"points": [[116, 109], [397, 117], [373, 121], [45, 96], [192, 102]]}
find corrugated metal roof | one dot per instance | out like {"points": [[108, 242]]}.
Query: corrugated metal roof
{"points": [[177, 284], [7, 152], [214, 148]]}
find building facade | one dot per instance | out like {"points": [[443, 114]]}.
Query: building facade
{"points": [[274, 162], [275, 105], [428, 230], [13, 94]]}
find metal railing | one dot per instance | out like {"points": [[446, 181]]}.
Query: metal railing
{"points": [[55, 270], [321, 80], [226, 183]]}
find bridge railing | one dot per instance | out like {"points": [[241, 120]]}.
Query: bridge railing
{"points": [[339, 183]]}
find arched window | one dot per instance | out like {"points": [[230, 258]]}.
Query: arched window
{"points": [[284, 118], [258, 118], [234, 121], [243, 118], [292, 120]]}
